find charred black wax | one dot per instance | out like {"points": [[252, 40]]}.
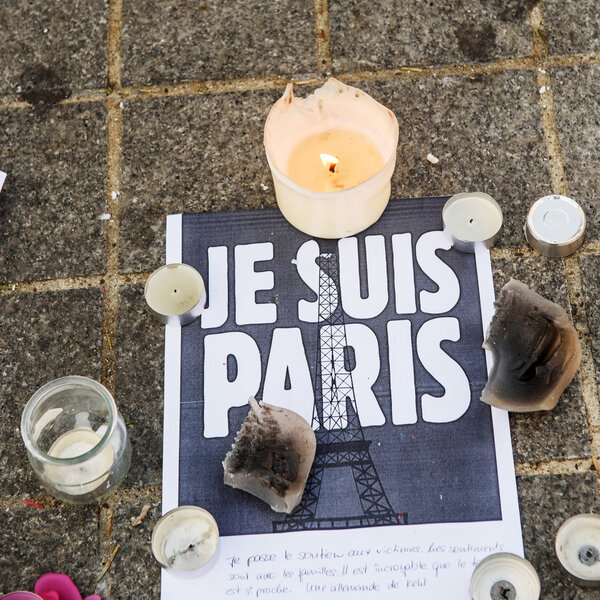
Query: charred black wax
{"points": [[272, 456], [535, 349]]}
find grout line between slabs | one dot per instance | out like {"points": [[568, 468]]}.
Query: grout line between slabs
{"points": [[114, 134], [113, 45], [540, 46], [110, 298], [133, 495], [105, 547], [151, 494], [71, 283], [573, 60], [322, 36], [568, 466], [139, 278], [257, 83], [111, 287], [513, 252], [572, 266]]}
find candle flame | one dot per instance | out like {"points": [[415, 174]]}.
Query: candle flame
{"points": [[330, 162]]}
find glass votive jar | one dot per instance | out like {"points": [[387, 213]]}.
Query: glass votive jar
{"points": [[76, 439]]}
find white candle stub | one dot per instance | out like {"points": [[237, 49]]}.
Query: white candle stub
{"points": [[175, 293], [185, 538], [472, 220], [85, 476], [578, 549], [505, 576]]}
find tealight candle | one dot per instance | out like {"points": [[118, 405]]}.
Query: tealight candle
{"points": [[332, 156], [472, 221], [555, 226], [185, 538], [175, 294], [577, 548], [505, 576], [76, 439]]}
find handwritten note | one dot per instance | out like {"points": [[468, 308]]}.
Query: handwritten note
{"points": [[358, 570], [375, 563]]}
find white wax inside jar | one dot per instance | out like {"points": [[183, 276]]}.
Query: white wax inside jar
{"points": [[174, 289], [473, 219], [84, 476]]}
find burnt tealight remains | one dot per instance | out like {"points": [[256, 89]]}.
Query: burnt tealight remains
{"points": [[272, 456], [535, 348]]}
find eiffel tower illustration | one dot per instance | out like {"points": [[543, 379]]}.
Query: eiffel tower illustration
{"points": [[340, 439]]}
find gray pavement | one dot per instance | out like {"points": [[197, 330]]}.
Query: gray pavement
{"points": [[140, 109]]}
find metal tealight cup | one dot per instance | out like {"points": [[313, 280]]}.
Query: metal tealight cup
{"points": [[555, 226]]}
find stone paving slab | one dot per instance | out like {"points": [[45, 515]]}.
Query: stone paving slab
{"points": [[43, 59], [52, 540], [54, 193], [134, 567], [139, 385], [577, 99], [40, 344], [189, 40], [571, 27], [189, 154], [546, 502], [19, 481], [378, 34], [563, 431], [590, 271], [486, 131]]}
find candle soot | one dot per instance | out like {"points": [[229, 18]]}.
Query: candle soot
{"points": [[535, 348], [272, 456]]}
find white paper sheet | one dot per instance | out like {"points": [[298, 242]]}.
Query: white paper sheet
{"points": [[424, 561]]}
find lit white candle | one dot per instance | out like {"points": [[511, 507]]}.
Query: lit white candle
{"points": [[85, 475], [320, 198], [185, 538], [175, 293], [472, 220]]}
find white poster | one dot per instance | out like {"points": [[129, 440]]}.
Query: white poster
{"points": [[413, 481]]}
